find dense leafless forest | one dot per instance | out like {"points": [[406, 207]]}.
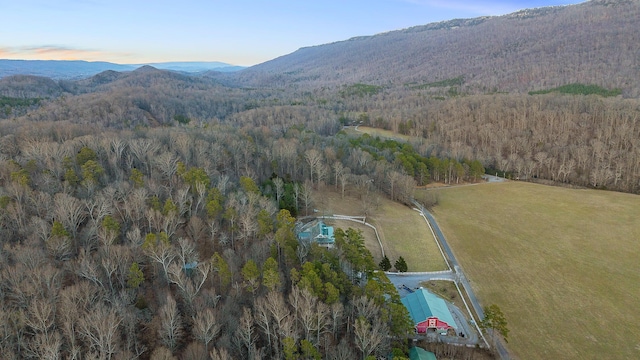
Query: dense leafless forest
{"points": [[150, 214], [180, 241], [582, 140]]}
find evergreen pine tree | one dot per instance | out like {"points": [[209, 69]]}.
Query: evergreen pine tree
{"points": [[385, 264], [401, 265]]}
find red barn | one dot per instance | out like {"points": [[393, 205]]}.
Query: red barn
{"points": [[431, 323], [428, 311]]}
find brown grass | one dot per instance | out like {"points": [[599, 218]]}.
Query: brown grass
{"points": [[370, 240], [563, 264], [446, 290], [388, 134], [402, 231]]}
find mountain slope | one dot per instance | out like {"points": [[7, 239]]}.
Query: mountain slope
{"points": [[594, 42]]}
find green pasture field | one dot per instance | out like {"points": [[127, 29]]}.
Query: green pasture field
{"points": [[402, 230], [562, 264]]}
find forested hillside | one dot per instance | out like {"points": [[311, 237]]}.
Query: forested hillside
{"points": [[594, 43], [175, 241]]}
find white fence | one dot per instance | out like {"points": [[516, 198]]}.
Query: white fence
{"points": [[449, 272], [359, 219]]}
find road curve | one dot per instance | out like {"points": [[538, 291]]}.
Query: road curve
{"points": [[502, 351]]}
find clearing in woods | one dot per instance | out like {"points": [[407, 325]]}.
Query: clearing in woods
{"points": [[562, 264], [403, 231], [382, 133]]}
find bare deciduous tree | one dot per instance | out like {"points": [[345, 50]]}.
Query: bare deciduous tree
{"points": [[368, 337], [313, 158], [279, 184], [393, 177], [69, 211], [321, 320], [189, 286], [337, 310], [162, 353], [45, 346], [341, 352], [167, 163], [99, 327], [186, 252], [307, 196], [144, 149], [220, 354], [41, 316], [162, 254], [264, 320], [205, 326], [366, 307], [170, 331], [244, 335], [344, 177], [197, 229], [275, 304], [88, 269]]}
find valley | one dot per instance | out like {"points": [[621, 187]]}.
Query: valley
{"points": [[151, 212]]}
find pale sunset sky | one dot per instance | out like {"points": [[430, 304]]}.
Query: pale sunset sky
{"points": [[239, 32]]}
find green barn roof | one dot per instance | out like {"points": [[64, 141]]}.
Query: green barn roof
{"points": [[422, 305], [416, 353]]}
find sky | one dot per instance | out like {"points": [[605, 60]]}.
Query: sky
{"points": [[239, 32]]}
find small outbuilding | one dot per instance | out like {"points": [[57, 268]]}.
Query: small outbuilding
{"points": [[417, 353], [428, 311]]}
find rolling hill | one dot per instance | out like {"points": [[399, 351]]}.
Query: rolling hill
{"points": [[74, 70]]}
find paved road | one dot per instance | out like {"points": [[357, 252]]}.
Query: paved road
{"points": [[502, 351], [492, 178], [413, 281], [471, 336]]}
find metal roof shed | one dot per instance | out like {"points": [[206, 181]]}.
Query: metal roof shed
{"points": [[416, 353]]}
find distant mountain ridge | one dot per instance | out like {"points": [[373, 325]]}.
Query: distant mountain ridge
{"points": [[595, 43], [79, 69], [58, 69], [194, 66]]}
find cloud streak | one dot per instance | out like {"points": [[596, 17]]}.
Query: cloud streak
{"points": [[55, 52]]}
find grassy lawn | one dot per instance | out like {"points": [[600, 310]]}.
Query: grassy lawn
{"points": [[562, 264], [370, 240], [446, 290], [402, 230], [406, 234]]}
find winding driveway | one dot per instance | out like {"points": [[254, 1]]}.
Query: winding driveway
{"points": [[462, 279]]}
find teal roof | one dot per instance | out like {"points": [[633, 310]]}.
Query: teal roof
{"points": [[422, 305], [416, 353], [316, 231]]}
